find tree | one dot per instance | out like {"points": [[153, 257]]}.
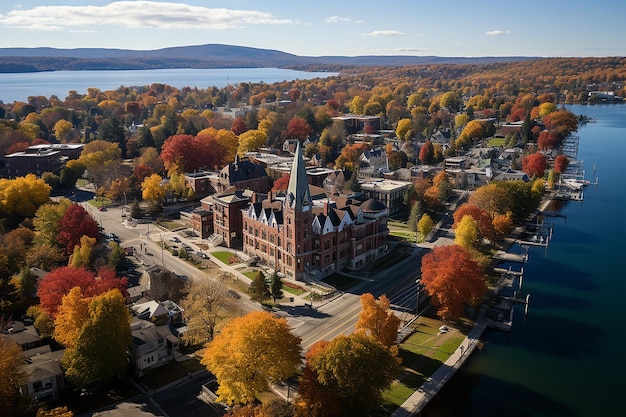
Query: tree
{"points": [[534, 165], [60, 281], [425, 225], [81, 257], [377, 320], [100, 349], [404, 130], [251, 141], [414, 216], [206, 306], [276, 287], [259, 290], [452, 279], [22, 196], [11, 375], [43, 322], [427, 152], [345, 367], [250, 352], [480, 216], [62, 130], [153, 189], [560, 164], [55, 412], [75, 223], [466, 233], [71, 317], [281, 183], [298, 128], [502, 225]]}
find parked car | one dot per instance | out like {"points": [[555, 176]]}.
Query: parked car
{"points": [[203, 255]]}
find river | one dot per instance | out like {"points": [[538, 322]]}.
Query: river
{"points": [[18, 87], [567, 357]]}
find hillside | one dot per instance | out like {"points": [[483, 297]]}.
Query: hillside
{"points": [[203, 56]]}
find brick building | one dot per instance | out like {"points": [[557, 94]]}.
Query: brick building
{"points": [[306, 239]]}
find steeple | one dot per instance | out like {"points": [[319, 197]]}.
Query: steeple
{"points": [[298, 193]]}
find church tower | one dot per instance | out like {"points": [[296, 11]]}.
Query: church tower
{"points": [[298, 218]]}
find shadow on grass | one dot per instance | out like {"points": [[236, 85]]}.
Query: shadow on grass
{"points": [[110, 393]]}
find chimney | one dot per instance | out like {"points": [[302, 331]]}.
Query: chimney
{"points": [[254, 198], [326, 208]]}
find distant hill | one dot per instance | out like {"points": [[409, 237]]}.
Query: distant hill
{"points": [[204, 56]]}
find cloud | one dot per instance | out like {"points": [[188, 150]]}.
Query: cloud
{"points": [[338, 19], [385, 33], [137, 14], [410, 50], [497, 32]]}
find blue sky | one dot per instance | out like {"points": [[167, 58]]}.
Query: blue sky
{"points": [[546, 28]]}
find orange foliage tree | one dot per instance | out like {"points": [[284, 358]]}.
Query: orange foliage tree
{"points": [[480, 216], [534, 165], [453, 280], [560, 164], [377, 320]]}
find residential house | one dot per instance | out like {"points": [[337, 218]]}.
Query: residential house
{"points": [[152, 345], [44, 375]]}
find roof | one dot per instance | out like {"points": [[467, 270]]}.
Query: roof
{"points": [[149, 309], [298, 193], [372, 206]]}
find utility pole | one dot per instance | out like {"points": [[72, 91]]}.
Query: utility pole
{"points": [[417, 304]]}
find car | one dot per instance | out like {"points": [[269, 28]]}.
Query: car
{"points": [[234, 294], [102, 208], [203, 255], [175, 239]]}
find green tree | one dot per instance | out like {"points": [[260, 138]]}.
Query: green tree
{"points": [[46, 221], [249, 353], [100, 349], [259, 290], [345, 367], [276, 287]]}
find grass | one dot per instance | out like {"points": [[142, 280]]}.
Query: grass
{"points": [[341, 282], [251, 274], [223, 256], [422, 354], [496, 142], [170, 372], [171, 225], [294, 291]]}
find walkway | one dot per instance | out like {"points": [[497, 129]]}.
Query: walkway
{"points": [[416, 402]]}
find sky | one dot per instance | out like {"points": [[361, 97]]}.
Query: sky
{"points": [[545, 28]]}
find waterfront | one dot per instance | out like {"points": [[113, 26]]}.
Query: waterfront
{"points": [[565, 358], [18, 87]]}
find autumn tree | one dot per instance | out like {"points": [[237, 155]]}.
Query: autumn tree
{"points": [[55, 412], [60, 281], [355, 369], [377, 320], [153, 189], [298, 128], [466, 233], [452, 279], [481, 217], [100, 348], [22, 196], [426, 152], [11, 375], [425, 225], [251, 141], [206, 306], [405, 130], [75, 223], [71, 317], [502, 225], [534, 165], [83, 252], [281, 183], [259, 290], [249, 353], [560, 164]]}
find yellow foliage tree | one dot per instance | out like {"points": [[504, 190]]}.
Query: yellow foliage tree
{"points": [[22, 196], [62, 129], [82, 253], [251, 141], [377, 320], [466, 233], [11, 362], [425, 225], [250, 352], [153, 189], [71, 317]]}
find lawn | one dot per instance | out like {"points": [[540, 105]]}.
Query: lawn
{"points": [[496, 142], [341, 282], [223, 256], [171, 225], [170, 372], [422, 354]]}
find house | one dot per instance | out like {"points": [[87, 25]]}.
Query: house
{"points": [[25, 336], [156, 311], [152, 345], [202, 221], [227, 221], [305, 237], [359, 123], [512, 175], [162, 284], [244, 174], [203, 182], [44, 375], [512, 128], [375, 159]]}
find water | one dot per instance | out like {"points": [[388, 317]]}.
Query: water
{"points": [[18, 87], [567, 358]]}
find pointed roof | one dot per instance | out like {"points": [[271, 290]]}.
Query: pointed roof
{"points": [[298, 193]]}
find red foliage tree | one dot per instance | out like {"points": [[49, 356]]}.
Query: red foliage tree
{"points": [[534, 165], [547, 140], [560, 164], [142, 171], [281, 183], [480, 216], [452, 279], [60, 281], [563, 122], [75, 224], [298, 128], [239, 126], [190, 153], [426, 152], [18, 147]]}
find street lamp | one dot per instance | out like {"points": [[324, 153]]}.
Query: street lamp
{"points": [[417, 304], [162, 257]]}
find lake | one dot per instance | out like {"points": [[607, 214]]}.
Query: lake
{"points": [[18, 87], [567, 357]]}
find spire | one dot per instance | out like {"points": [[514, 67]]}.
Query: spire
{"points": [[298, 193]]}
